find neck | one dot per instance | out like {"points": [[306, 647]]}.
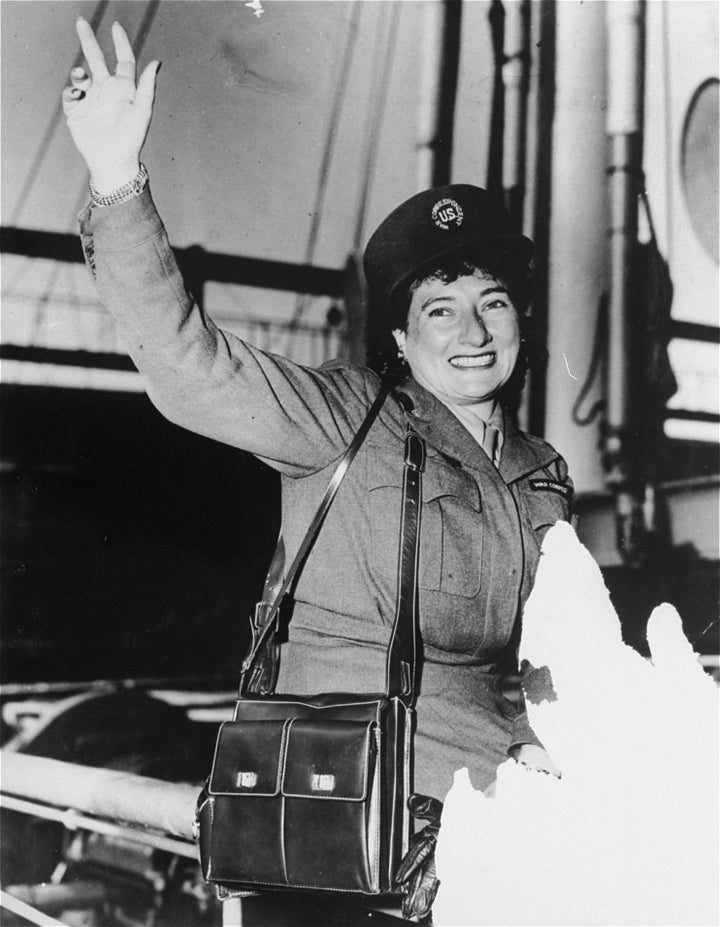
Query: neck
{"points": [[473, 416]]}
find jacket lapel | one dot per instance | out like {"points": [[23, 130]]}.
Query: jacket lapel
{"points": [[444, 431]]}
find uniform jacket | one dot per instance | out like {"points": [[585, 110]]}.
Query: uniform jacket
{"points": [[481, 526]]}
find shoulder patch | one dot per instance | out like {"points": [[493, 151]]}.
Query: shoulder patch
{"points": [[552, 486]]}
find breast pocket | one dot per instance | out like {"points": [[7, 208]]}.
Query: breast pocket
{"points": [[451, 531]]}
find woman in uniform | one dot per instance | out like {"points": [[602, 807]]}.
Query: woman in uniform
{"points": [[449, 283]]}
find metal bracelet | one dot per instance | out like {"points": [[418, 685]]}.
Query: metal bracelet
{"points": [[128, 190]]}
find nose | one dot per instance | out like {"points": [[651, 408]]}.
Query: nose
{"points": [[476, 332]]}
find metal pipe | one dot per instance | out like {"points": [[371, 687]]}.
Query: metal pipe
{"points": [[625, 24], [624, 114], [538, 192], [49, 898], [166, 807], [577, 258], [72, 820], [438, 89], [232, 912], [515, 80], [622, 235], [27, 912]]}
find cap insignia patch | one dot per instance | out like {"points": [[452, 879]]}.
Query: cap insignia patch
{"points": [[446, 213]]}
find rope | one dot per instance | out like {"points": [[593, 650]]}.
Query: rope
{"points": [[601, 333], [350, 43], [376, 112], [138, 44], [44, 146], [596, 359]]}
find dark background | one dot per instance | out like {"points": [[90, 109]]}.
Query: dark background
{"points": [[130, 547]]}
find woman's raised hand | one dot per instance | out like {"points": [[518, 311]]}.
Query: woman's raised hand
{"points": [[108, 114]]}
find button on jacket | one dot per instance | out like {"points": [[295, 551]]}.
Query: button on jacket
{"points": [[481, 526]]}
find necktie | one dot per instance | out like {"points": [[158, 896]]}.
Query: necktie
{"points": [[490, 441]]}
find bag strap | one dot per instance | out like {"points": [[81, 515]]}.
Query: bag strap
{"points": [[256, 677], [403, 655]]}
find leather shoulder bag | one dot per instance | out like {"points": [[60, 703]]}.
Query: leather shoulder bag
{"points": [[310, 793]]}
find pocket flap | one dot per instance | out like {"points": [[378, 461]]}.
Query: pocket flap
{"points": [[248, 758], [328, 759], [445, 480]]}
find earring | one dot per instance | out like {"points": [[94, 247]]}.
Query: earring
{"points": [[401, 356]]}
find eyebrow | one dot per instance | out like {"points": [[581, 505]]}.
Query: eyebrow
{"points": [[486, 292]]}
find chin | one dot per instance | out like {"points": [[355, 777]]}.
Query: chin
{"points": [[478, 388]]}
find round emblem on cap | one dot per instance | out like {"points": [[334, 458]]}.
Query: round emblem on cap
{"points": [[446, 213]]}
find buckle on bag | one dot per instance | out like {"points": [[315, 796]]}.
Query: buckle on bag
{"points": [[259, 619]]}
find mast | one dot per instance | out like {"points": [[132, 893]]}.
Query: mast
{"points": [[438, 90]]}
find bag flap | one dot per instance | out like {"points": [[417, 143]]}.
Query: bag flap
{"points": [[248, 758], [328, 759]]}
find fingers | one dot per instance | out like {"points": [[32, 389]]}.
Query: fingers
{"points": [[422, 846], [70, 97], [415, 858], [421, 893], [80, 78], [91, 50], [123, 52], [425, 807], [146, 85]]}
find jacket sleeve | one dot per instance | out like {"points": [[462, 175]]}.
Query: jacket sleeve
{"points": [[297, 419]]}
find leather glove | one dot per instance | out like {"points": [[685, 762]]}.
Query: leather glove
{"points": [[416, 874]]}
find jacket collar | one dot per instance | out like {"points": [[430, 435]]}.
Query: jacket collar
{"points": [[444, 431]]}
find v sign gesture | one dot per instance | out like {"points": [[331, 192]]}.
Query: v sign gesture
{"points": [[107, 114]]}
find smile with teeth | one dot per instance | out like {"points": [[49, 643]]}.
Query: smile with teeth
{"points": [[475, 360]]}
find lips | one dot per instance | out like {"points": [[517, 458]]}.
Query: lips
{"points": [[474, 361]]}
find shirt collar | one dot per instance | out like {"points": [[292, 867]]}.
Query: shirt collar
{"points": [[445, 432]]}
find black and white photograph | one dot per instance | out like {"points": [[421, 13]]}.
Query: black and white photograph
{"points": [[360, 463]]}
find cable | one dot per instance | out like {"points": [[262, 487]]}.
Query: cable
{"points": [[44, 145], [598, 355], [138, 44], [302, 299], [376, 112]]}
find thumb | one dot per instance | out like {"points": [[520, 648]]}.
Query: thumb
{"points": [[145, 94]]}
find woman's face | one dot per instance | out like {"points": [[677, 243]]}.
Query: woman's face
{"points": [[462, 338]]}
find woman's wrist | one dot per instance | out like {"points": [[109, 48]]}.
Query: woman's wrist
{"points": [[107, 180], [126, 190]]}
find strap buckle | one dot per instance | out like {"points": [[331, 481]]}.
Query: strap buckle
{"points": [[415, 454]]}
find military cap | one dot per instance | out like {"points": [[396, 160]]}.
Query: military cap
{"points": [[435, 224]]}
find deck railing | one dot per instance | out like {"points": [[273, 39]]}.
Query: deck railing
{"points": [[149, 812]]}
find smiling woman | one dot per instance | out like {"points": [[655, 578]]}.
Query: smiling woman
{"points": [[462, 341], [449, 281]]}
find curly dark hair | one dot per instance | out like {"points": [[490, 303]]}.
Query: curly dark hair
{"points": [[383, 319]]}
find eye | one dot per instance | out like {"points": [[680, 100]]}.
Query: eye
{"points": [[439, 311], [496, 304]]}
